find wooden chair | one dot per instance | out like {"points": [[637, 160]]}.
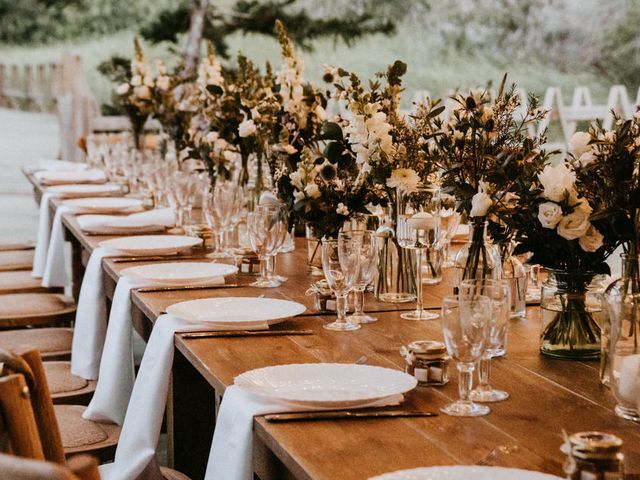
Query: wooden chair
{"points": [[36, 309], [21, 281], [80, 467], [52, 343], [11, 260], [16, 245]]}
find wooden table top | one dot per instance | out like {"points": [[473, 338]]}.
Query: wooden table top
{"points": [[546, 395]]}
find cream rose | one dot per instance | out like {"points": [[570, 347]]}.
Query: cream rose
{"points": [[143, 92], [480, 204], [556, 181], [246, 128], [579, 143], [312, 190], [574, 225], [592, 240], [549, 214]]}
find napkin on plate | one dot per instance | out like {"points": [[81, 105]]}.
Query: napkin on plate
{"points": [[44, 233], [91, 319], [141, 427], [232, 448], [53, 165], [66, 177], [116, 376], [142, 222]]}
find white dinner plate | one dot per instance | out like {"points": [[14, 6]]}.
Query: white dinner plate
{"points": [[105, 204], [53, 165], [237, 311], [151, 244], [181, 273], [69, 177], [88, 190], [465, 472], [328, 385]]}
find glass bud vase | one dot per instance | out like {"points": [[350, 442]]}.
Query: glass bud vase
{"points": [[571, 310], [478, 258], [621, 348], [514, 272], [396, 279], [314, 252]]}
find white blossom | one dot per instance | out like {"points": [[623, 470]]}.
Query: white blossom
{"points": [[549, 214], [556, 181], [480, 204], [246, 129], [579, 143], [405, 179], [592, 240], [342, 209], [574, 225], [312, 190], [122, 89]]}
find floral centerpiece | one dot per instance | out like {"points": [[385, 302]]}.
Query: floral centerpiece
{"points": [[485, 150]]}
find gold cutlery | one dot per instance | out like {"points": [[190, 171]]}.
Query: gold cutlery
{"points": [[245, 333], [157, 258], [186, 288], [345, 414]]}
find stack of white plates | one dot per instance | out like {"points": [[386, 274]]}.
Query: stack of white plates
{"points": [[462, 472], [105, 204], [53, 165], [327, 385], [69, 177], [181, 273], [151, 244], [78, 191]]}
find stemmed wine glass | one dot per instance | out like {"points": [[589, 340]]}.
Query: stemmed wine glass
{"points": [[340, 263], [180, 195], [366, 270], [283, 218], [419, 230], [264, 228], [499, 293], [465, 325]]}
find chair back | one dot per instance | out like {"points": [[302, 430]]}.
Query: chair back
{"points": [[80, 467]]}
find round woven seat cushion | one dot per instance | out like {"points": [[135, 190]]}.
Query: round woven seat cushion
{"points": [[16, 260], [32, 304], [16, 245], [75, 430], [47, 340], [18, 280], [60, 378]]}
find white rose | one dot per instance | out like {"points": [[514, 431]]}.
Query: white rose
{"points": [[592, 240], [136, 80], [122, 89], [574, 225], [480, 204], [556, 181], [549, 214], [579, 143], [142, 92], [163, 82], [247, 128], [586, 158], [298, 196], [312, 190]]}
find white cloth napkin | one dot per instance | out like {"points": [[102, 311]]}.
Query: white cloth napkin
{"points": [[64, 177], [53, 165], [141, 428], [44, 233], [116, 377], [91, 319], [55, 270], [231, 454], [142, 222]]}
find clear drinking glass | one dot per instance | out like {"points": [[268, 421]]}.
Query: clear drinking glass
{"points": [[418, 229], [283, 218], [340, 263], [498, 292], [366, 271], [465, 325], [264, 227]]}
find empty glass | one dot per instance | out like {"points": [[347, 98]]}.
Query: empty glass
{"points": [[367, 269], [340, 263], [418, 229], [499, 293], [465, 325], [180, 193], [264, 229]]}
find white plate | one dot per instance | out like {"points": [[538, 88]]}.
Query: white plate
{"points": [[54, 165], [77, 191], [236, 311], [339, 385], [462, 472], [151, 244], [70, 177], [180, 273], [105, 204]]}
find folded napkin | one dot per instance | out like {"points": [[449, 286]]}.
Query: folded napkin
{"points": [[66, 177], [116, 376], [44, 233], [53, 165], [231, 454], [141, 427], [91, 319]]}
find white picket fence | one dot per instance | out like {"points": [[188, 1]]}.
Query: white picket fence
{"points": [[581, 109]]}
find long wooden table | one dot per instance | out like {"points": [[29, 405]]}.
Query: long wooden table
{"points": [[546, 395]]}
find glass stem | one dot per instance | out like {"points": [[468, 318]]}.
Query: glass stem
{"points": [[220, 235], [465, 380], [484, 370], [264, 267], [179, 217], [445, 250], [419, 280], [358, 301], [271, 265], [341, 307]]}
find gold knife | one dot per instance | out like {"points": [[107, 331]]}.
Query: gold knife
{"points": [[187, 287], [345, 414], [245, 333]]}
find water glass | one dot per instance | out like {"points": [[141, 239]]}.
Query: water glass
{"points": [[264, 227], [466, 325], [340, 263], [367, 268]]}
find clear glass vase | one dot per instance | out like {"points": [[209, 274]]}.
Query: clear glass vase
{"points": [[571, 310], [478, 258], [621, 337], [515, 274], [314, 252]]}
